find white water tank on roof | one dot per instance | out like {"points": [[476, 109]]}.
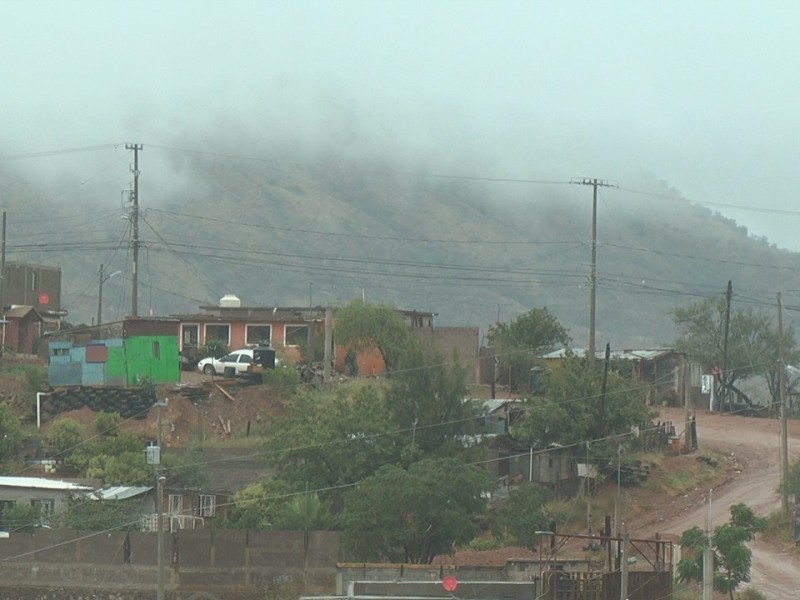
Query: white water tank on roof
{"points": [[230, 301]]}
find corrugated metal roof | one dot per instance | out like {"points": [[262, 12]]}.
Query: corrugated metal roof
{"points": [[623, 354], [42, 483], [120, 492]]}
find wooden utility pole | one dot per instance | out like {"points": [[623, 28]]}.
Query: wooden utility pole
{"points": [[135, 230], [724, 375], [595, 183], [784, 412], [328, 354]]}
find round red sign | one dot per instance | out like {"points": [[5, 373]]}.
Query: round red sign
{"points": [[449, 583], [44, 298]]}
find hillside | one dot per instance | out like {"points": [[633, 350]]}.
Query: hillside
{"points": [[277, 229]]}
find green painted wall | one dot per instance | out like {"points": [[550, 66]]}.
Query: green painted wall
{"points": [[115, 367], [154, 357]]}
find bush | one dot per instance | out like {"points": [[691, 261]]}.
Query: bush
{"points": [[33, 379], [751, 594], [281, 379]]}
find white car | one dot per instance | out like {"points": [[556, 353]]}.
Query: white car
{"points": [[238, 360]]}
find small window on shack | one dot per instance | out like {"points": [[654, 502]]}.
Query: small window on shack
{"points": [[207, 505]]}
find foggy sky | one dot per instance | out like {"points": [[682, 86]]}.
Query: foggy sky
{"points": [[702, 95]]}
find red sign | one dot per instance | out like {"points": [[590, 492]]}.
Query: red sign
{"points": [[44, 298], [449, 583]]}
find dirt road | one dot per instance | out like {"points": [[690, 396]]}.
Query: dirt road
{"points": [[756, 445]]}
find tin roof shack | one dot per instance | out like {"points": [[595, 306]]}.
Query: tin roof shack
{"points": [[49, 495], [663, 370], [554, 467], [193, 508], [23, 330], [117, 354], [141, 501]]}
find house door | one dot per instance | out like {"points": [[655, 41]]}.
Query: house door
{"points": [[190, 336]]}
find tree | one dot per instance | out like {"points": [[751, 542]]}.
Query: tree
{"points": [[519, 343], [752, 344], [119, 460], [425, 400], [257, 506], [64, 437], [575, 408], [363, 326], [732, 557], [21, 518], [330, 440], [305, 512], [413, 515], [188, 470], [84, 513], [107, 424], [521, 515]]}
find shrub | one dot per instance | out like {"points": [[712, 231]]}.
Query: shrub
{"points": [[281, 379]]}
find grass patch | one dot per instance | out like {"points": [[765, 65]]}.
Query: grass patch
{"points": [[780, 527], [690, 474]]}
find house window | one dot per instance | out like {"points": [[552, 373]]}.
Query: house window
{"points": [[156, 349], [4, 506], [295, 335], [46, 506], [190, 336], [258, 334], [218, 333], [207, 505], [175, 504]]}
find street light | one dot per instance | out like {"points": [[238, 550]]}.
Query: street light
{"points": [[100, 293]]}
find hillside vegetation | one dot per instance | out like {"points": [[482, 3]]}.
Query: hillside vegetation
{"points": [[278, 230]]}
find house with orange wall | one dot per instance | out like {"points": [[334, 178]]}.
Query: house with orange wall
{"points": [[290, 329], [285, 328]]}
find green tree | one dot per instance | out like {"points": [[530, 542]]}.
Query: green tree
{"points": [[256, 507], [521, 515], [425, 400], [119, 460], [84, 513], [64, 437], [519, 343], [22, 518], [752, 346], [107, 424], [413, 515], [188, 470], [575, 408], [304, 512], [330, 440], [732, 557], [11, 435], [363, 326]]}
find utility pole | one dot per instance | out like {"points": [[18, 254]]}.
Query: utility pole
{"points": [[724, 374], [595, 183], [784, 411], [100, 298], [160, 508], [708, 557], [135, 228], [3, 285], [328, 354]]}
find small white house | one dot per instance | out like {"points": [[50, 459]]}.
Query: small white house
{"points": [[50, 495]]}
